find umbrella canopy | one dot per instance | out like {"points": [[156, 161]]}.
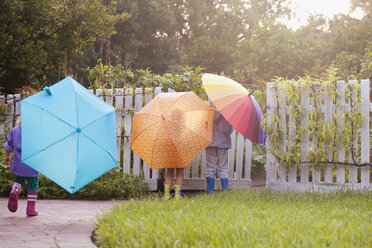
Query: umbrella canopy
{"points": [[172, 129], [68, 134], [235, 103]]}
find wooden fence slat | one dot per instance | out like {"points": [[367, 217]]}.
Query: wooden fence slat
{"points": [[187, 171], [292, 173], [365, 135], [231, 156], [195, 166], [282, 125], [353, 170], [316, 177], [128, 98], [99, 93], [248, 159], [146, 168], [17, 110], [340, 172], [2, 122], [328, 103], [137, 106], [304, 168], [203, 164], [10, 114], [239, 156], [109, 97], [156, 173], [119, 100], [270, 159]]}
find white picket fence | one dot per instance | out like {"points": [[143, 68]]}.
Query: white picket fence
{"points": [[278, 176], [127, 102]]}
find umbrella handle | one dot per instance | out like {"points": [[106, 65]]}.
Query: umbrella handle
{"points": [[251, 92]]}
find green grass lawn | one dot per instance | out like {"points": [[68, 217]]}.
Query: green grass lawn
{"points": [[244, 218]]}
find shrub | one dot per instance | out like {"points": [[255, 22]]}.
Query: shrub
{"points": [[112, 185]]}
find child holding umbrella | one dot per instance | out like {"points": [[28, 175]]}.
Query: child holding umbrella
{"points": [[216, 153], [22, 173]]}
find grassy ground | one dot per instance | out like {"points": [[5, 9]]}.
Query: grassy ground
{"points": [[250, 218]]}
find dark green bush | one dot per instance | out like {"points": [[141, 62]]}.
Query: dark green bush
{"points": [[112, 185]]}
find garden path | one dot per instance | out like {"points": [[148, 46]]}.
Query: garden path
{"points": [[61, 223]]}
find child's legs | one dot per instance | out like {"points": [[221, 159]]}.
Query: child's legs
{"points": [[179, 176], [222, 162], [211, 160], [169, 176], [19, 179], [32, 183]]}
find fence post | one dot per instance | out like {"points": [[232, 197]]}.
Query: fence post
{"points": [[2, 121], [365, 135], [128, 98], [239, 156], [10, 114], [270, 159], [305, 139], [156, 173], [231, 156], [119, 116], [99, 93], [137, 107], [109, 97], [17, 110], [248, 159], [282, 170], [340, 103], [292, 173], [316, 169], [328, 105], [146, 168], [353, 170]]}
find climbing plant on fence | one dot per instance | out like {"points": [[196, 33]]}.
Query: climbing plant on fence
{"points": [[327, 115]]}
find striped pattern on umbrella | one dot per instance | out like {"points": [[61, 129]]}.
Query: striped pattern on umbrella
{"points": [[235, 103]]}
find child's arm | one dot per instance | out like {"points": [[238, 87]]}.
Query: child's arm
{"points": [[8, 147]]}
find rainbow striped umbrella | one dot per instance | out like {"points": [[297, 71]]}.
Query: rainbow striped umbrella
{"points": [[235, 103]]}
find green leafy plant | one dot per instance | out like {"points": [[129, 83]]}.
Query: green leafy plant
{"points": [[112, 185], [326, 135]]}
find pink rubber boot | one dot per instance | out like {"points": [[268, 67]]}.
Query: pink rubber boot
{"points": [[31, 201], [13, 197]]}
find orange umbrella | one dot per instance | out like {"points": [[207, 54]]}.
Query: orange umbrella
{"points": [[172, 129]]}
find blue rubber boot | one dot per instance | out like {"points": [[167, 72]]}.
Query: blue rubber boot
{"points": [[224, 184], [210, 185]]}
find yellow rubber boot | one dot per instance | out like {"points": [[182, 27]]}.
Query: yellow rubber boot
{"points": [[167, 191], [178, 191]]}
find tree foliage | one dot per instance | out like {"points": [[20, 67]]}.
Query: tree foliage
{"points": [[37, 37], [41, 41]]}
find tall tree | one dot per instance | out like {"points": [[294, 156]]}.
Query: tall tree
{"points": [[217, 27], [37, 36], [149, 36]]}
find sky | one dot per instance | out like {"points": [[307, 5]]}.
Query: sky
{"points": [[329, 8]]}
